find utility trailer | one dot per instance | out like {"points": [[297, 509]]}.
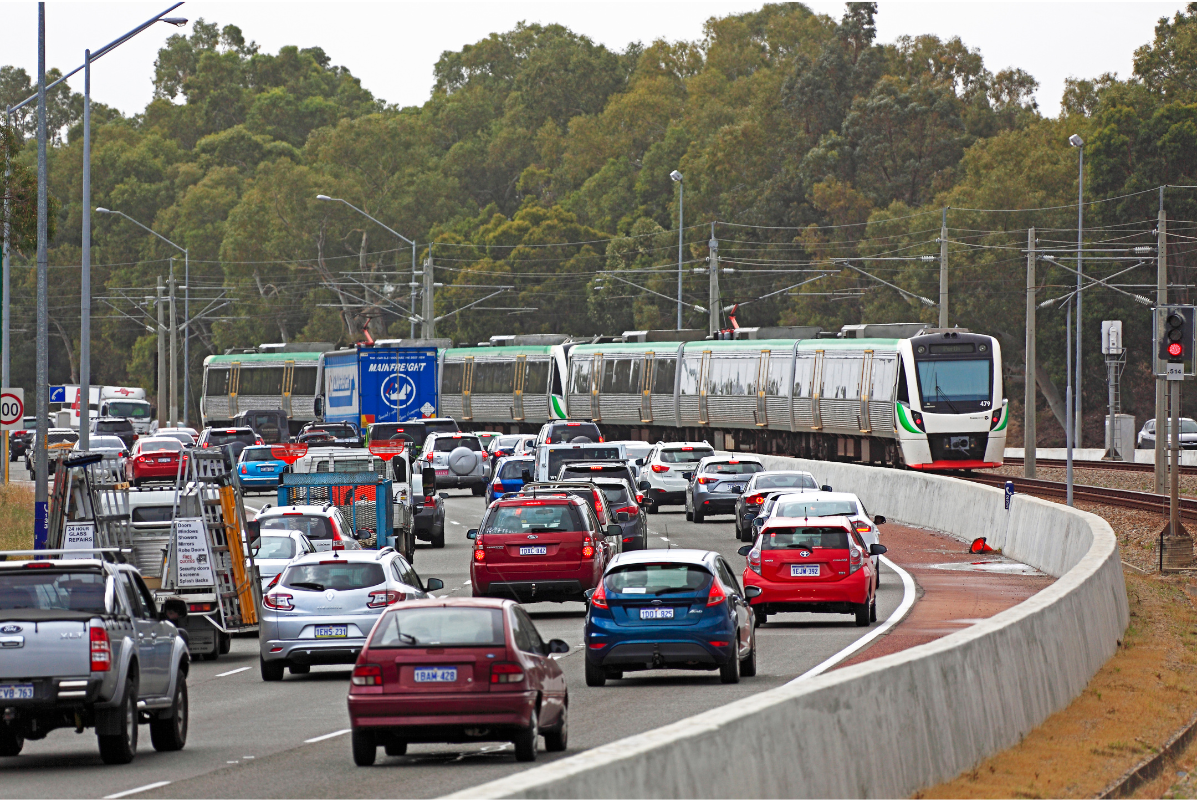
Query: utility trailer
{"points": [[363, 500]]}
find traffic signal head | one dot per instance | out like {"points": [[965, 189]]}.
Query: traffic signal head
{"points": [[1178, 337]]}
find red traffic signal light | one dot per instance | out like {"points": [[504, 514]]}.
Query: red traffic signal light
{"points": [[1175, 349]]}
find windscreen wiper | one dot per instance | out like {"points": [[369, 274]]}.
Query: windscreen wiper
{"points": [[316, 587], [937, 387], [408, 637]]}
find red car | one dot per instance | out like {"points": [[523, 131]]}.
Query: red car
{"points": [[154, 459], [457, 670], [817, 565], [540, 548]]}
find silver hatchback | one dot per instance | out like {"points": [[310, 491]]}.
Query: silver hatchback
{"points": [[325, 604]]}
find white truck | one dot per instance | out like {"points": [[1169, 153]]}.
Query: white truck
{"points": [[128, 402]]}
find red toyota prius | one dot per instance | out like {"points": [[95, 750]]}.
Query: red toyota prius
{"points": [[457, 670]]}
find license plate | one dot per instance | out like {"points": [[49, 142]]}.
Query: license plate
{"points": [[330, 632], [435, 674], [442, 471], [737, 487], [164, 461], [16, 691], [533, 551], [805, 570], [657, 613]]}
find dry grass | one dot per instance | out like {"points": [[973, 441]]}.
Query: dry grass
{"points": [[1131, 707], [16, 517]]}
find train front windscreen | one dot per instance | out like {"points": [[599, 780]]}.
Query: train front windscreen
{"points": [[955, 379]]}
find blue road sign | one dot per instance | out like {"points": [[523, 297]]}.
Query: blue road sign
{"points": [[58, 394]]}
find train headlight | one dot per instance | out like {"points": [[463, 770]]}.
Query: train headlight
{"points": [[918, 420]]}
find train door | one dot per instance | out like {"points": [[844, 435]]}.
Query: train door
{"points": [[235, 373], [518, 409], [647, 377], [597, 376], [864, 392], [468, 378], [760, 411], [705, 365], [818, 382], [289, 372]]}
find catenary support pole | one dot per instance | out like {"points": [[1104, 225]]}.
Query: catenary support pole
{"points": [[412, 295], [944, 279], [714, 286], [173, 416], [1031, 357], [679, 284], [1160, 393], [41, 493], [427, 324], [6, 304], [1070, 419], [85, 261], [1079, 316], [162, 355]]}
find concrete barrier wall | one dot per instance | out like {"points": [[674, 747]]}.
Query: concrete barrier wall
{"points": [[891, 726]]}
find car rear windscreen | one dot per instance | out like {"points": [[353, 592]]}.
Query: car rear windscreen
{"points": [[616, 494], [445, 444], [657, 579], [51, 589], [115, 426], [160, 445], [386, 430], [217, 439], [343, 577], [511, 471], [441, 627], [314, 527], [566, 432], [274, 547], [583, 473], [556, 458], [805, 538], [817, 508], [735, 468], [152, 514], [258, 454], [684, 456], [784, 482], [441, 426], [533, 519]]}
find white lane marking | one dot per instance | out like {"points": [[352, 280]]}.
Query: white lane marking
{"points": [[665, 539], [128, 792], [233, 672], [455, 522], [910, 596], [326, 736]]}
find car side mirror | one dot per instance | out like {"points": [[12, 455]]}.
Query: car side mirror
{"points": [[429, 480], [471, 534], [749, 516], [759, 523], [877, 549], [745, 549], [622, 516], [252, 529], [558, 646], [433, 584], [644, 486], [641, 462], [753, 591], [613, 530], [588, 593], [319, 406], [444, 495], [879, 519], [825, 487]]}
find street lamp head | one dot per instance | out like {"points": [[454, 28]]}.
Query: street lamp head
{"points": [[103, 211], [676, 175], [1076, 140], [324, 197], [178, 22]]}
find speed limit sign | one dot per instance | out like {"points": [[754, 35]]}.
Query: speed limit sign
{"points": [[12, 409]]}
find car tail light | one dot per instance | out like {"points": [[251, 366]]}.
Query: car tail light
{"points": [[498, 487], [598, 599], [101, 649], [755, 500], [660, 468], [245, 469], [382, 599], [754, 561], [627, 509], [707, 480], [278, 601], [862, 527], [856, 559], [367, 675], [204, 608], [588, 551], [479, 554], [274, 582], [715, 643], [640, 497], [716, 595], [258, 440], [505, 672]]}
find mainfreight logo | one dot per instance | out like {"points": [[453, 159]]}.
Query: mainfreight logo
{"points": [[398, 391], [394, 366]]}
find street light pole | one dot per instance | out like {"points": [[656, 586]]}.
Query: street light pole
{"points": [[41, 494], [5, 303], [85, 261], [1077, 142], [677, 176]]}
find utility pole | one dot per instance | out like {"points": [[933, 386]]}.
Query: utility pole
{"points": [[427, 324], [1160, 389], [85, 274], [173, 417], [1079, 314], [41, 494], [4, 310], [162, 357], [714, 290], [944, 280], [1030, 354]]}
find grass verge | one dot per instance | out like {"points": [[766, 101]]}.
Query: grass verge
{"points": [[16, 517]]}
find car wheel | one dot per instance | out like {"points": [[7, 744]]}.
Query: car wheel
{"points": [[862, 614], [730, 671], [698, 517], [748, 666], [168, 734], [120, 748], [362, 744], [760, 618], [11, 742], [438, 540], [874, 615], [270, 670], [477, 491], [687, 515], [593, 674], [556, 740], [299, 669], [737, 533], [224, 642], [527, 740], [395, 748], [652, 508]]}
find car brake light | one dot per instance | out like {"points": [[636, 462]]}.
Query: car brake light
{"points": [[856, 559], [588, 551], [754, 500], [716, 595], [274, 582], [244, 469], [708, 480], [38, 565], [598, 599], [101, 649], [367, 675], [479, 547], [382, 599], [660, 468], [504, 672], [279, 601], [627, 509], [862, 527], [204, 608], [719, 644], [497, 487], [231, 430], [754, 561]]}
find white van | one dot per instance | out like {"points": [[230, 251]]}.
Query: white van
{"points": [[550, 457]]}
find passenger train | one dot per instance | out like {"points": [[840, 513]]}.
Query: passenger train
{"points": [[933, 400]]}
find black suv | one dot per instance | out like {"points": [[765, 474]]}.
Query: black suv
{"points": [[232, 440], [586, 470], [116, 426], [569, 432]]}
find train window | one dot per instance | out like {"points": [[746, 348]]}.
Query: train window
{"points": [[494, 377], [689, 381], [664, 375], [883, 378], [622, 375], [452, 376], [777, 374], [217, 382], [304, 380], [804, 375], [261, 381], [841, 377], [902, 382], [537, 376], [556, 386], [581, 375]]}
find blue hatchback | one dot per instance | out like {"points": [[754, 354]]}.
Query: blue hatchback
{"points": [[258, 468], [507, 477], [668, 609]]}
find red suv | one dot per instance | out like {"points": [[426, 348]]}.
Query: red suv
{"points": [[543, 548], [457, 670], [817, 565]]}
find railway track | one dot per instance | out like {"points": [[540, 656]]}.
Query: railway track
{"points": [[1107, 466], [1122, 498]]}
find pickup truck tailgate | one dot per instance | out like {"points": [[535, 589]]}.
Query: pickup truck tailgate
{"points": [[44, 647]]}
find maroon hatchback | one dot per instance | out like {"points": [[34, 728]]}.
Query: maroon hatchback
{"points": [[457, 670]]}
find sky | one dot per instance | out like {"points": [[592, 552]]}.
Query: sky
{"points": [[392, 47]]}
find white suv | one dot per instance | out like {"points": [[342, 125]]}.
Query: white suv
{"points": [[323, 526], [667, 469], [457, 459]]}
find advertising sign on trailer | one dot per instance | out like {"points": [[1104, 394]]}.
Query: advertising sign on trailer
{"points": [[193, 561], [397, 384], [341, 386]]}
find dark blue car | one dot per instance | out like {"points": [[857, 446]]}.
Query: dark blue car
{"points": [[668, 609], [258, 468], [507, 476]]}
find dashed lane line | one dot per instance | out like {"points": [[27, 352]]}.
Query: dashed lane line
{"points": [[326, 736], [232, 672], [128, 792]]}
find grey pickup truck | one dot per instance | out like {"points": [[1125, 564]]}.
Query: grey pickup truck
{"points": [[82, 645]]}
